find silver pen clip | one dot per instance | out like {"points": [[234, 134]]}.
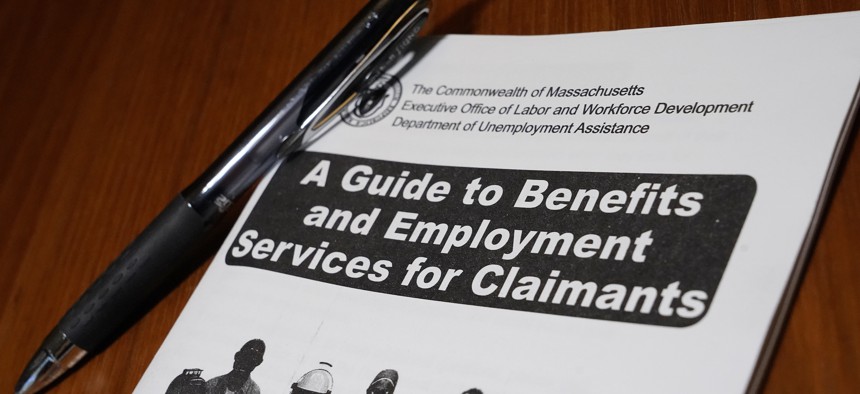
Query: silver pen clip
{"points": [[373, 41], [388, 48]]}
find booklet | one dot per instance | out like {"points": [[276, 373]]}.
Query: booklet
{"points": [[608, 212]]}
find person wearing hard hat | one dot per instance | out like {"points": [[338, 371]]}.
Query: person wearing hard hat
{"points": [[315, 381]]}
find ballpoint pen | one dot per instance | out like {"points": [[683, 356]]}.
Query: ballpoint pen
{"points": [[372, 41]]}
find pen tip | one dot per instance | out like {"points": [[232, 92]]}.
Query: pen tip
{"points": [[56, 356], [32, 379]]}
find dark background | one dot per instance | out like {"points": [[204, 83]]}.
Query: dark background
{"points": [[109, 108], [690, 250]]}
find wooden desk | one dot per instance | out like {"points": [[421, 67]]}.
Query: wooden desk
{"points": [[109, 108]]}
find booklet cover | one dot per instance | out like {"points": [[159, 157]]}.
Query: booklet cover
{"points": [[594, 213]]}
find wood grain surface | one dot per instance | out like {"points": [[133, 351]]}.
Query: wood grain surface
{"points": [[109, 108]]}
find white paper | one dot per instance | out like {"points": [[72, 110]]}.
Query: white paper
{"points": [[793, 81]]}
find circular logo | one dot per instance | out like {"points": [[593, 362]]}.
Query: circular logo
{"points": [[374, 102]]}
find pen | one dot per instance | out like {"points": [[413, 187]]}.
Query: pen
{"points": [[371, 42]]}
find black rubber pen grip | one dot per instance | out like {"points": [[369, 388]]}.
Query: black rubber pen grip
{"points": [[133, 277]]}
